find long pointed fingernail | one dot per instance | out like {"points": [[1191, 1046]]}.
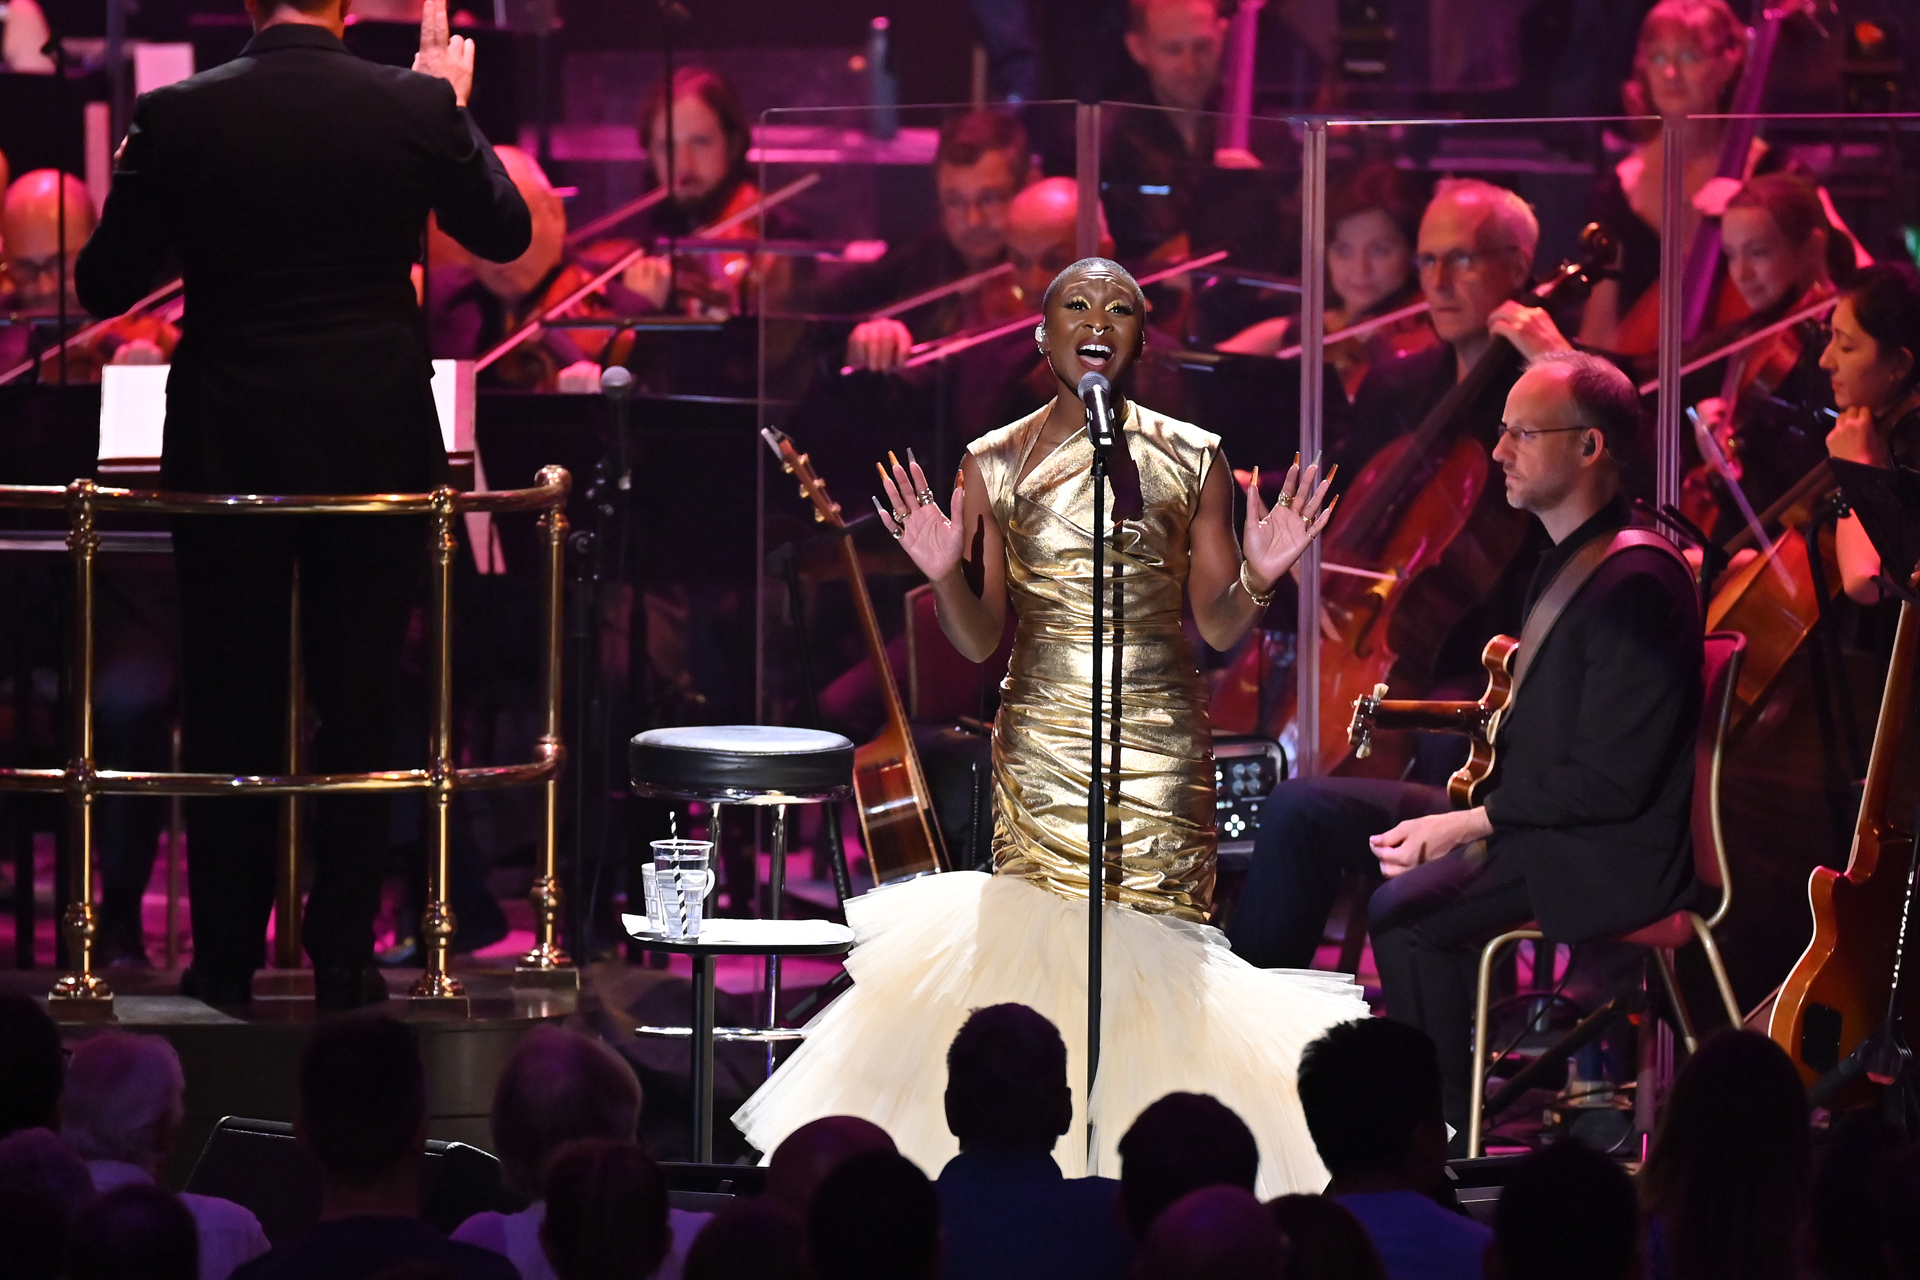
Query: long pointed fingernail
{"points": [[1316, 456], [895, 461], [885, 519], [911, 460], [1253, 478], [885, 478], [959, 478], [1333, 471], [1296, 457]]}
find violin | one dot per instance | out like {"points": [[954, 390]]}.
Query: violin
{"points": [[1753, 374]]}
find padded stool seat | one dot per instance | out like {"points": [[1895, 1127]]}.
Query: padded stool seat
{"points": [[741, 763]]}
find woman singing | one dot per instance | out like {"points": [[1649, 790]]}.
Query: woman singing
{"points": [[1182, 1012]]}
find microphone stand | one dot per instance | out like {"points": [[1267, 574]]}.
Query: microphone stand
{"points": [[1100, 429]]}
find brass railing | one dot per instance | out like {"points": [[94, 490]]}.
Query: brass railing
{"points": [[81, 993]]}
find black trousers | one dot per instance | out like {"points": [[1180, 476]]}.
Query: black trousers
{"points": [[1427, 925], [359, 581], [1312, 831]]}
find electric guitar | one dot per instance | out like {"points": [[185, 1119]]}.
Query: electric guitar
{"points": [[1478, 721]]}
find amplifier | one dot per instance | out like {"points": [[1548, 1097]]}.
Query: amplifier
{"points": [[1245, 771]]}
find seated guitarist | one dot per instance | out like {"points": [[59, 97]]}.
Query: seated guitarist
{"points": [[1586, 831]]}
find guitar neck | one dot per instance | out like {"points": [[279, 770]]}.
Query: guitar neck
{"points": [[1469, 718], [1889, 729], [870, 632]]}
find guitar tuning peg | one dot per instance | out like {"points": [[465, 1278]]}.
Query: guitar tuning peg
{"points": [[1379, 692], [818, 518]]}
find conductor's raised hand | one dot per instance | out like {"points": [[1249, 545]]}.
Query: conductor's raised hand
{"points": [[1275, 538], [911, 515], [443, 55]]}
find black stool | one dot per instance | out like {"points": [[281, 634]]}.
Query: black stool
{"points": [[721, 765]]}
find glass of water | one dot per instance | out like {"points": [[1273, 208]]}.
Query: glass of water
{"points": [[683, 879]]}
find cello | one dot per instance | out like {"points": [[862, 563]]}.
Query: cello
{"points": [[1420, 541]]}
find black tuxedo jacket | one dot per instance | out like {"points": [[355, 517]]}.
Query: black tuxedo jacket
{"points": [[1595, 789], [293, 184]]}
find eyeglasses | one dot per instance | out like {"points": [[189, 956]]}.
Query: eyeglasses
{"points": [[1457, 261], [1522, 435]]}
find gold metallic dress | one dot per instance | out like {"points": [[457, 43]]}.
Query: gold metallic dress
{"points": [[1181, 1011]]}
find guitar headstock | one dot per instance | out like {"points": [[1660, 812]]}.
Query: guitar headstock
{"points": [[812, 487], [1360, 728]]}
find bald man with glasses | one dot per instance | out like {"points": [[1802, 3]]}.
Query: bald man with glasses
{"points": [[1584, 827]]}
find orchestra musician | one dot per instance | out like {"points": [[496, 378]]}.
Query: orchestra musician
{"points": [[1778, 246], [293, 184], [1183, 1012], [982, 162], [473, 304], [1474, 256], [1162, 171], [30, 236], [1687, 63], [1874, 361], [711, 181], [1373, 220], [1585, 829]]}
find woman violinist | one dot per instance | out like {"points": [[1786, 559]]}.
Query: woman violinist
{"points": [[1373, 219], [1183, 1012], [1690, 56], [1767, 420], [1874, 361]]}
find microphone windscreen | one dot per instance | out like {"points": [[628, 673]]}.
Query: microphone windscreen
{"points": [[616, 381], [1094, 382]]}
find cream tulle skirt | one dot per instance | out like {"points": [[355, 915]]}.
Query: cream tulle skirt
{"points": [[1181, 1013]]}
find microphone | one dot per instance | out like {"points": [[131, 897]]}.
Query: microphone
{"points": [[616, 384], [1095, 393]]}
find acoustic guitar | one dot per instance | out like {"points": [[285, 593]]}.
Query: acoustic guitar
{"points": [[889, 786], [1478, 721]]}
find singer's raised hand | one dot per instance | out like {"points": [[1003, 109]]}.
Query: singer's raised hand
{"points": [[928, 536], [1275, 538]]}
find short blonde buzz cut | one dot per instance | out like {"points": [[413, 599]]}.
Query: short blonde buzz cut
{"points": [[1511, 214]]}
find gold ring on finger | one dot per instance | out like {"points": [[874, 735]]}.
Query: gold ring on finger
{"points": [[925, 497], [1286, 500]]}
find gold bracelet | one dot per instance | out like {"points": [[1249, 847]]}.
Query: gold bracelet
{"points": [[1262, 600]]}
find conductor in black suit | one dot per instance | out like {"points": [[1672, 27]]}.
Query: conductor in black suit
{"points": [[292, 186], [1586, 829]]}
